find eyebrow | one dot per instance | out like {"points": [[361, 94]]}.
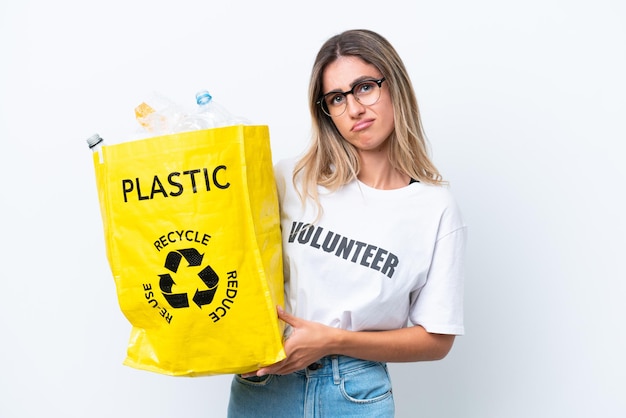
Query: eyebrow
{"points": [[354, 83]]}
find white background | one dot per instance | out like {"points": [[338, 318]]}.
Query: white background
{"points": [[524, 104]]}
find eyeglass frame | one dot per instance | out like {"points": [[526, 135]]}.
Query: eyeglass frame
{"points": [[321, 100]]}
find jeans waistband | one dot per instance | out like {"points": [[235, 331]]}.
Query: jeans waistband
{"points": [[336, 366]]}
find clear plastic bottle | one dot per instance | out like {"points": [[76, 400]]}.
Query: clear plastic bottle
{"points": [[159, 115], [95, 142], [209, 114], [215, 114]]}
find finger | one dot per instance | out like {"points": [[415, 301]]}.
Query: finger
{"points": [[288, 318], [249, 374], [279, 369], [274, 369]]}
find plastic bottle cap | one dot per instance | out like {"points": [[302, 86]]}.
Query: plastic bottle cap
{"points": [[203, 97], [94, 140]]}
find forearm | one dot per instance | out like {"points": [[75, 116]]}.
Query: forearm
{"points": [[400, 345], [310, 341]]}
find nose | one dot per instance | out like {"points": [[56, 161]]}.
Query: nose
{"points": [[354, 107]]}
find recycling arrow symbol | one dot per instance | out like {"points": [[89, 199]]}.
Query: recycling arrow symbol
{"points": [[207, 275]]}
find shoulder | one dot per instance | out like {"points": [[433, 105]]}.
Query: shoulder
{"points": [[442, 198], [284, 167], [283, 173], [437, 194]]}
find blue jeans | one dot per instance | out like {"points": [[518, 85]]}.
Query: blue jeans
{"points": [[335, 386]]}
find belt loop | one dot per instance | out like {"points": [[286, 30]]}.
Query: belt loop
{"points": [[336, 376]]}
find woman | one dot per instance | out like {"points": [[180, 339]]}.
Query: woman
{"points": [[373, 245]]}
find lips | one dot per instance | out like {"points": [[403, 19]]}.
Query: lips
{"points": [[362, 124]]}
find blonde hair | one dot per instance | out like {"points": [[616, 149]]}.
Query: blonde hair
{"points": [[332, 162]]}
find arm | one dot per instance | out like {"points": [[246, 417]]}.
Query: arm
{"points": [[311, 341]]}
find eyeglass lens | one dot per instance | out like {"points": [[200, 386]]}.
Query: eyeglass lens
{"points": [[366, 92]]}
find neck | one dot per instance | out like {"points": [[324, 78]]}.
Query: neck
{"points": [[377, 172]]}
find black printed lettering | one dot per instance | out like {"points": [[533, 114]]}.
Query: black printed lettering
{"points": [[157, 187], [295, 228], [378, 258], [217, 183], [367, 254], [193, 181], [316, 236], [357, 250], [328, 245], [192, 176], [140, 197], [177, 185], [127, 187], [344, 248], [351, 250], [181, 236], [390, 265], [305, 234]]}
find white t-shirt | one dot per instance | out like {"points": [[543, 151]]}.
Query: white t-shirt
{"points": [[376, 259]]}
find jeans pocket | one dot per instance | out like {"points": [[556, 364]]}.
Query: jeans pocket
{"points": [[367, 385], [254, 380]]}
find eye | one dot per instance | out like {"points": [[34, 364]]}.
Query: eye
{"points": [[364, 88], [335, 99]]}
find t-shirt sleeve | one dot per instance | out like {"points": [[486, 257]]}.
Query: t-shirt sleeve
{"points": [[438, 305]]}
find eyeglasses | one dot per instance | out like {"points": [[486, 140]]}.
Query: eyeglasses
{"points": [[366, 92]]}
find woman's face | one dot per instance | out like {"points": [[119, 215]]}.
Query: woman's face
{"points": [[365, 127]]}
